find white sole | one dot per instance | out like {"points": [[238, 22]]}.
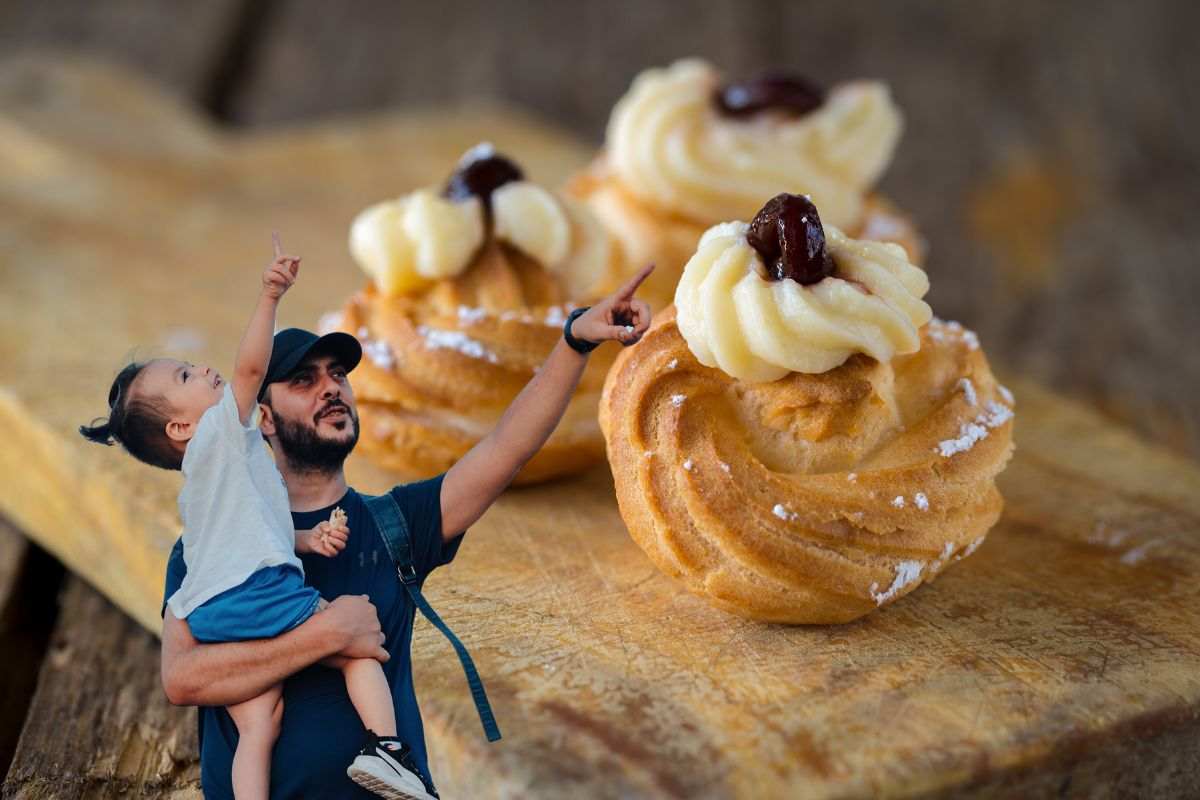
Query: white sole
{"points": [[378, 778]]}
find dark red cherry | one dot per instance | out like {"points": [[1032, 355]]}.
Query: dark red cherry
{"points": [[774, 90], [787, 234], [481, 172]]}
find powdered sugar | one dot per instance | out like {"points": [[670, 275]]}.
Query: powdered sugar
{"points": [[968, 389], [677, 399], [898, 502], [1007, 395], [971, 548], [724, 466], [674, 362], [852, 477], [906, 573], [994, 416], [436, 338], [555, 316], [468, 315], [941, 560], [379, 352], [921, 500], [948, 331], [783, 513], [688, 465]]}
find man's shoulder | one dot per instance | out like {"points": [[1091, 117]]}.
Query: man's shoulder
{"points": [[414, 492], [413, 496]]}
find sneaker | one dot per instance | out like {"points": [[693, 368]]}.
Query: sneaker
{"points": [[385, 766]]}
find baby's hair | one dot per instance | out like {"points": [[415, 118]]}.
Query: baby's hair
{"points": [[136, 421]]}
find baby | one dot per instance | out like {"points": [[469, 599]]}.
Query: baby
{"points": [[244, 580]]}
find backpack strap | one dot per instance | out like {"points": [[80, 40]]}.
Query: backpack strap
{"points": [[394, 530]]}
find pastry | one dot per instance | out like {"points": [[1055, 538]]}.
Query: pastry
{"points": [[683, 152], [797, 438], [338, 518], [469, 288]]}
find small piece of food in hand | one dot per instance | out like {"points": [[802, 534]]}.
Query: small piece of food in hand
{"points": [[338, 518]]}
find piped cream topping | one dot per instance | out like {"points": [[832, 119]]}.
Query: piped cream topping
{"points": [[755, 329], [672, 147], [407, 243]]}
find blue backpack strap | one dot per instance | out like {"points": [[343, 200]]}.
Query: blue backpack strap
{"points": [[394, 530]]}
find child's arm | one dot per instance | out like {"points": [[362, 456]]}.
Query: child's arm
{"points": [[478, 478], [325, 540], [254, 353]]}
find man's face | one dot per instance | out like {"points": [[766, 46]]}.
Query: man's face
{"points": [[313, 417]]}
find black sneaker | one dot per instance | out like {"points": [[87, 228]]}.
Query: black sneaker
{"points": [[385, 766]]}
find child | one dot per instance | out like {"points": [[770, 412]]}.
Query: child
{"points": [[244, 580]]}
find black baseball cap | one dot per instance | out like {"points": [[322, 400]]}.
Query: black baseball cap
{"points": [[292, 345]]}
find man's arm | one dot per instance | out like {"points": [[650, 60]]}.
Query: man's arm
{"points": [[478, 478], [195, 674], [254, 352]]}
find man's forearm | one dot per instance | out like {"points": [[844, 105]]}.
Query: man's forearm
{"points": [[196, 674], [535, 413]]}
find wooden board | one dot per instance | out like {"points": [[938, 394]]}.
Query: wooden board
{"points": [[99, 724], [29, 581], [1031, 665]]}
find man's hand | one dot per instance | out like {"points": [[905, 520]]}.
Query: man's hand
{"points": [[355, 619], [281, 273], [224, 673], [619, 316]]}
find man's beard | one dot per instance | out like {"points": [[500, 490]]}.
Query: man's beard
{"points": [[306, 451]]}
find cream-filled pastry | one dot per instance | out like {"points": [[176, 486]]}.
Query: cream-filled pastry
{"points": [[797, 439], [469, 288], [684, 151]]}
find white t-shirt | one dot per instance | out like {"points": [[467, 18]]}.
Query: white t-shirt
{"points": [[234, 505]]}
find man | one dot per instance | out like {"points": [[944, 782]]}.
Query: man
{"points": [[309, 418]]}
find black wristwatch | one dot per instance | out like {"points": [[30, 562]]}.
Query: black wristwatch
{"points": [[578, 345]]}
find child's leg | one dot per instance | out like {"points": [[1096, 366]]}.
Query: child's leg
{"points": [[257, 721], [368, 689], [371, 695]]}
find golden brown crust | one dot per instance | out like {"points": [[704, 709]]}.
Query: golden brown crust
{"points": [[643, 234], [777, 501], [440, 367]]}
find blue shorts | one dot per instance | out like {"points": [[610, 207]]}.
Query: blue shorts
{"points": [[271, 601]]}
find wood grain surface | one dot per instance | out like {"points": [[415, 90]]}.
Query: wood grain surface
{"points": [[1061, 656], [100, 726]]}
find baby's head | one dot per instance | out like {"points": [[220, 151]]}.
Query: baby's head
{"points": [[153, 409]]}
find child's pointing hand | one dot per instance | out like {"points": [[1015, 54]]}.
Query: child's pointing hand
{"points": [[281, 273]]}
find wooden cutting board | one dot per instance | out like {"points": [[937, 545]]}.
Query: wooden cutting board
{"points": [[1060, 658]]}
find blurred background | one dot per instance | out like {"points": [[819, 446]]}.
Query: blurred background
{"points": [[1049, 156]]}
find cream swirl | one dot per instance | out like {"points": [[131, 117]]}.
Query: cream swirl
{"points": [[755, 329], [408, 243], [670, 146]]}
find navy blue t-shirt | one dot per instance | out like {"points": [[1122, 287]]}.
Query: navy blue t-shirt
{"points": [[321, 732]]}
